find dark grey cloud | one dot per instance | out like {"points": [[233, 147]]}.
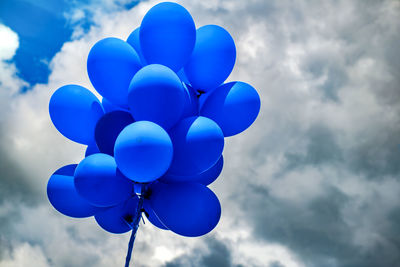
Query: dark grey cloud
{"points": [[318, 232], [316, 175], [217, 254], [16, 185], [276, 264]]}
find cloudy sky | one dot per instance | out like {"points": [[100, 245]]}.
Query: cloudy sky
{"points": [[314, 182]]}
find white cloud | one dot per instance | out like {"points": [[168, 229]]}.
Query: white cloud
{"points": [[294, 54], [26, 255], [9, 42], [9, 82]]}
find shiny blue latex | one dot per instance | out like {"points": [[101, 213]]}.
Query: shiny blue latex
{"points": [[156, 94], [109, 107], [109, 127], [64, 197], [134, 41], [188, 209], [191, 102], [74, 111], [91, 149], [181, 74], [115, 219], [212, 59], [151, 216], [198, 143], [205, 178], [111, 65], [167, 35], [98, 180], [143, 151], [233, 106]]}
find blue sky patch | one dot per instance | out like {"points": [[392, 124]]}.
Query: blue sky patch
{"points": [[42, 28]]}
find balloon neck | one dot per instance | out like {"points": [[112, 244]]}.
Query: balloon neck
{"points": [[199, 93], [142, 190]]}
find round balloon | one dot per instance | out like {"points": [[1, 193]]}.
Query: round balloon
{"points": [[191, 102], [134, 41], [233, 106], [108, 106], [198, 143], [111, 65], [188, 209], [91, 149], [98, 180], [205, 178], [151, 216], [212, 59], [108, 128], [167, 35], [143, 151], [74, 111], [63, 196], [156, 94], [117, 219]]}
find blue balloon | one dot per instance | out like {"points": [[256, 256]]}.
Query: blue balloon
{"points": [[134, 41], [91, 149], [205, 178], [109, 107], [156, 94], [108, 128], [115, 219], [188, 209], [74, 111], [111, 65], [212, 59], [233, 106], [151, 216], [143, 151], [63, 196], [202, 98], [98, 180], [198, 143], [167, 35], [181, 74], [191, 102]]}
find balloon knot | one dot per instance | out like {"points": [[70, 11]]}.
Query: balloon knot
{"points": [[199, 93]]}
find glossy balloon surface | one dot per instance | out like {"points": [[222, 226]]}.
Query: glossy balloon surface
{"points": [[167, 35], [115, 219], [143, 151], [98, 180], [109, 107], [64, 197], [188, 209], [109, 127], [205, 178], [151, 216], [156, 94], [74, 111], [233, 106], [111, 65], [213, 58], [134, 41], [198, 143], [91, 149], [191, 102], [182, 75]]}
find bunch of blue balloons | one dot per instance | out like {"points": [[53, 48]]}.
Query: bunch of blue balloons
{"points": [[160, 126]]}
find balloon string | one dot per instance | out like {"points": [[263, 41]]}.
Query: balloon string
{"points": [[135, 226]]}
